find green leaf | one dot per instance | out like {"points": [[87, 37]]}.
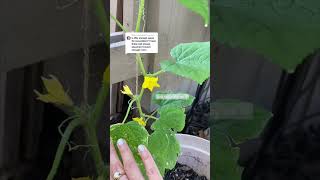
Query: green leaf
{"points": [[200, 7], [134, 134], [239, 120], [170, 118], [164, 148], [224, 159], [192, 60], [233, 122], [285, 31], [172, 99]]}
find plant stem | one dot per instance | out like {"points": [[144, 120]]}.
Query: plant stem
{"points": [[128, 110], [118, 23], [96, 153], [157, 73], [139, 108], [73, 124], [103, 19], [139, 59], [150, 117], [100, 102], [138, 56], [140, 13], [139, 102]]}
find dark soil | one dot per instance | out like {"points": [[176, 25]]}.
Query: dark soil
{"points": [[183, 172]]}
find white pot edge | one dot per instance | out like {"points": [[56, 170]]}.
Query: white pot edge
{"points": [[195, 153]]}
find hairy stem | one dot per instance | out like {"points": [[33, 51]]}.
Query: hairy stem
{"points": [[73, 124], [139, 103], [140, 13], [140, 63], [128, 110]]}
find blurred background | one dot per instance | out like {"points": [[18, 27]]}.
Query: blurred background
{"points": [[38, 39]]}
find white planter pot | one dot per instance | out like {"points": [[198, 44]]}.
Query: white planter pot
{"points": [[195, 153]]}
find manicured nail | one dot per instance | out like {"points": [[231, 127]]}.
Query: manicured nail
{"points": [[120, 142], [141, 148]]}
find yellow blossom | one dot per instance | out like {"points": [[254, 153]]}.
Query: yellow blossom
{"points": [[126, 90], [150, 82], [140, 121]]}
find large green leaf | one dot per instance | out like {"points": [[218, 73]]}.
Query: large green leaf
{"points": [[170, 118], [283, 31], [233, 122], [172, 99], [134, 134], [164, 148], [200, 7], [192, 60]]}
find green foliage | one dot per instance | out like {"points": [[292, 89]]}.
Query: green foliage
{"points": [[230, 129], [224, 158], [134, 134], [159, 98], [200, 7], [165, 149], [170, 118], [192, 60], [283, 31]]}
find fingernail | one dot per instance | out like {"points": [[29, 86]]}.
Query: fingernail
{"points": [[120, 142], [141, 148]]}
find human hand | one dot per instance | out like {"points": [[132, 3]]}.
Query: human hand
{"points": [[129, 170]]}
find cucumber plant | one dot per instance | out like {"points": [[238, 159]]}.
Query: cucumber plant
{"points": [[189, 60]]}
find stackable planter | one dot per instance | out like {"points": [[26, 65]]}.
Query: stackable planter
{"points": [[195, 153]]}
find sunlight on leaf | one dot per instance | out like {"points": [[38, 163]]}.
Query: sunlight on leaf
{"points": [[192, 60]]}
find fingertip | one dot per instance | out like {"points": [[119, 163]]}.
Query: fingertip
{"points": [[121, 142], [141, 148]]}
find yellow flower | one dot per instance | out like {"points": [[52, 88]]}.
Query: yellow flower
{"points": [[126, 90], [56, 93], [150, 82], [140, 121]]}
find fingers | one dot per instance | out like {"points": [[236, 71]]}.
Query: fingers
{"points": [[150, 166], [130, 166], [115, 163]]}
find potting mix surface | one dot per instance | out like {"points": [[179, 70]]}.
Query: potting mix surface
{"points": [[183, 172]]}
